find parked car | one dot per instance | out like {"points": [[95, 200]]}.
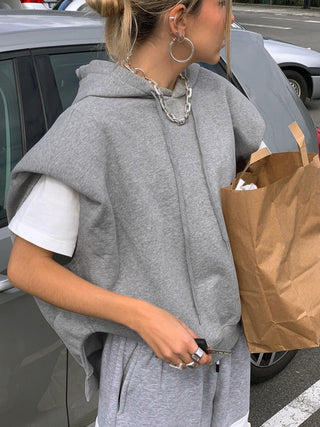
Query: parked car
{"points": [[27, 4], [300, 65], [73, 5], [40, 384], [38, 4], [10, 4]]}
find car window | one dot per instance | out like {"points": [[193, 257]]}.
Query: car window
{"points": [[10, 131], [64, 66]]}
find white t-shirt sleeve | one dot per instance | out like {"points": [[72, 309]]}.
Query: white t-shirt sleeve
{"points": [[49, 217]]}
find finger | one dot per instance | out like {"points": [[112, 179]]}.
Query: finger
{"points": [[181, 366], [193, 365], [198, 355], [206, 359]]}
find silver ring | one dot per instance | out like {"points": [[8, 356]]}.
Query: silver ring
{"points": [[181, 366], [192, 365], [196, 356]]}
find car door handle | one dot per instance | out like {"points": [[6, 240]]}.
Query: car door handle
{"points": [[4, 283]]}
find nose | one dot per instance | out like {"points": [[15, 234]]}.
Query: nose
{"points": [[232, 18]]}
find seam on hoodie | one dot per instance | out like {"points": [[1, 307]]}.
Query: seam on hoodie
{"points": [[183, 215], [220, 220], [210, 192]]}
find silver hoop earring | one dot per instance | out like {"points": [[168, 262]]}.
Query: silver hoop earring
{"points": [[180, 39]]}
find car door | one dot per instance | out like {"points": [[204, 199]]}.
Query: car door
{"points": [[33, 360], [56, 70]]}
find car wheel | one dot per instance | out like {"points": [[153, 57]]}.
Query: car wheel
{"points": [[265, 365], [298, 83]]}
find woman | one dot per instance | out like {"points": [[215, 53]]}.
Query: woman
{"points": [[126, 186]]}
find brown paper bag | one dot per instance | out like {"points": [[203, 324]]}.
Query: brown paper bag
{"points": [[274, 234]]}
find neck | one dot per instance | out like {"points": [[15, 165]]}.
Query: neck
{"points": [[157, 65]]}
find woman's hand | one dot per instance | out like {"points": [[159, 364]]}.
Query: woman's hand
{"points": [[170, 339]]}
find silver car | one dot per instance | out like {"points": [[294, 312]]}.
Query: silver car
{"points": [[10, 4], [300, 65], [40, 384]]}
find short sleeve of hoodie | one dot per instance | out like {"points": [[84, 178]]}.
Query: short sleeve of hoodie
{"points": [[49, 217]]}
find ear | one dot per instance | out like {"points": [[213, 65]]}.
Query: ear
{"points": [[176, 19]]}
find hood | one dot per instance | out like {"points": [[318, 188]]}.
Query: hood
{"points": [[108, 80]]}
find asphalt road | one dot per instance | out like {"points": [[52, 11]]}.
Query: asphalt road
{"points": [[270, 397], [293, 25], [314, 110]]}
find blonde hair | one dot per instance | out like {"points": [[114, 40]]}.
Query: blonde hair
{"points": [[133, 21], [228, 34]]}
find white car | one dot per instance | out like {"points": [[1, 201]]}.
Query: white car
{"points": [[300, 65]]}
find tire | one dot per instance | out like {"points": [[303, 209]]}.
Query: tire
{"points": [[265, 365], [298, 83]]}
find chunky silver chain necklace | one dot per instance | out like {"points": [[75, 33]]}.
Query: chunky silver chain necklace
{"points": [[171, 116]]}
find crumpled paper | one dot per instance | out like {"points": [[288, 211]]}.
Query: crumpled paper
{"points": [[243, 186]]}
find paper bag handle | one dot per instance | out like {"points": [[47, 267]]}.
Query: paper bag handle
{"points": [[264, 152], [258, 155], [299, 137], [255, 156]]}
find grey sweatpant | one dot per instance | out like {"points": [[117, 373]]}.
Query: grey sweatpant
{"points": [[139, 390]]}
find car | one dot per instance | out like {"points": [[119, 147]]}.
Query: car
{"points": [[37, 4], [40, 383], [300, 65], [73, 5], [10, 4], [27, 4]]}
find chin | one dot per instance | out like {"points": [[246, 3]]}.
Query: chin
{"points": [[213, 60]]}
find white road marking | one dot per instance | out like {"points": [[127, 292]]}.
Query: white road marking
{"points": [[283, 19], [265, 26], [297, 411], [292, 19]]}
